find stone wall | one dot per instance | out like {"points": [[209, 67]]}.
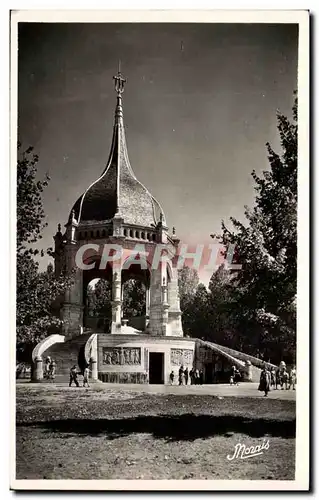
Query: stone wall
{"points": [[124, 358]]}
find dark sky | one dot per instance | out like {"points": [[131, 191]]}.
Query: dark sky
{"points": [[199, 105]]}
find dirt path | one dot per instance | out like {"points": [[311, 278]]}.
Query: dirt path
{"points": [[117, 433]]}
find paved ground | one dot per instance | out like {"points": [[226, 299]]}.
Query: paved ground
{"points": [[243, 390]]}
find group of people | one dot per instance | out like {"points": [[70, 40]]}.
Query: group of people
{"points": [[271, 379], [74, 376], [49, 369], [195, 377]]}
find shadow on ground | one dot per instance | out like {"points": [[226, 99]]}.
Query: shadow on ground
{"points": [[172, 428]]}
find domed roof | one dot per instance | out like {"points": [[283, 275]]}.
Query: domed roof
{"points": [[117, 191]]}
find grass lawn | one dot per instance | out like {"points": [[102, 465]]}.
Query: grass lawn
{"points": [[100, 433]]}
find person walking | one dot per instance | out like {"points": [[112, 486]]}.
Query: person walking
{"points": [[186, 375], [171, 378], [264, 382], [86, 374], [74, 376]]}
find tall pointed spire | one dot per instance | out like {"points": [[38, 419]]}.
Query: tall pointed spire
{"points": [[119, 82], [117, 192]]}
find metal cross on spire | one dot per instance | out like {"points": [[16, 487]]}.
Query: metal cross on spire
{"points": [[119, 81]]}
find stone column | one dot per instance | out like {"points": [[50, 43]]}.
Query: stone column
{"points": [[37, 374], [165, 306], [116, 301], [147, 308], [122, 299]]}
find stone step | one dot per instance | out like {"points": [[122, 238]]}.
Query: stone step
{"points": [[67, 354]]}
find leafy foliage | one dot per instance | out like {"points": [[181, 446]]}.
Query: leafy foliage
{"points": [[99, 299], [266, 246], [254, 309], [37, 292], [134, 299], [187, 284]]}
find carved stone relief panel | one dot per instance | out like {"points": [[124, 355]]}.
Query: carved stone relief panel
{"points": [[121, 355], [181, 356]]}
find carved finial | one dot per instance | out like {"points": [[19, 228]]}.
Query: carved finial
{"points": [[119, 81], [161, 217], [59, 228], [173, 230]]}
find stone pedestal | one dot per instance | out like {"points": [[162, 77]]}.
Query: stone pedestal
{"points": [[94, 370], [248, 373], [37, 373]]}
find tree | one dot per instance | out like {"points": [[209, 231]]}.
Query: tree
{"points": [[99, 299], [195, 314], [187, 285], [36, 291], [221, 327], [266, 247], [134, 299]]}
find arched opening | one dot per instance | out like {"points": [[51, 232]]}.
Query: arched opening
{"points": [[98, 308], [131, 234], [97, 297], [135, 287]]}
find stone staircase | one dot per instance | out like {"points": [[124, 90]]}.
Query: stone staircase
{"points": [[238, 358], [67, 354]]}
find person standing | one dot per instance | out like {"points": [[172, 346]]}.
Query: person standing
{"points": [[278, 378], [285, 377], [293, 378], [186, 376], [191, 376], [171, 378], [237, 376], [232, 375], [74, 376], [273, 378], [201, 377], [196, 377], [180, 375], [86, 374], [264, 382], [47, 367], [52, 369]]}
